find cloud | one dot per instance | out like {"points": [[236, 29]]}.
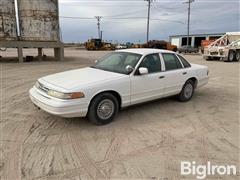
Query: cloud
{"points": [[207, 16]]}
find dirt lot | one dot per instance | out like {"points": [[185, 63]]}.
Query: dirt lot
{"points": [[145, 141]]}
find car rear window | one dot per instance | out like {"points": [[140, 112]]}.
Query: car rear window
{"points": [[171, 61], [185, 63]]}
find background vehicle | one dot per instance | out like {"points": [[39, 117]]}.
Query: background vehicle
{"points": [[188, 49], [98, 44], [205, 43], [120, 46], [129, 44], [136, 46], [156, 44], [227, 48], [232, 51]]}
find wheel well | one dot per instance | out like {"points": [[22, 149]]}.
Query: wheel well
{"points": [[195, 81], [116, 94]]}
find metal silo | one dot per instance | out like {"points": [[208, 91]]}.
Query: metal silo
{"points": [[7, 20], [38, 20]]}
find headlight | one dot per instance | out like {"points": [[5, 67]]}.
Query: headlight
{"points": [[60, 95]]}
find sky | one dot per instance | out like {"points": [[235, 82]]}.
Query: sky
{"points": [[126, 20]]}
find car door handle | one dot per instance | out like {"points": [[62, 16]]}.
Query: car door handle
{"points": [[184, 73], [161, 77]]}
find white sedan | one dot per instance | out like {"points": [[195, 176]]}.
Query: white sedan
{"points": [[119, 79]]}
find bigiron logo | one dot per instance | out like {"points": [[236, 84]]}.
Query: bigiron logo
{"points": [[202, 171]]}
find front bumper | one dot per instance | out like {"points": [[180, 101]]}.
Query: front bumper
{"points": [[63, 108]]}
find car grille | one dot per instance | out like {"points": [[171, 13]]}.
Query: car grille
{"points": [[214, 53], [43, 88]]}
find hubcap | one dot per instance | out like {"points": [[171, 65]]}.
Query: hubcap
{"points": [[105, 109], [188, 90]]}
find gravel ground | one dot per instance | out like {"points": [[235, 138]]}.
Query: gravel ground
{"points": [[147, 141]]}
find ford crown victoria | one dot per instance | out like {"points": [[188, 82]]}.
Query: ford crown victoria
{"points": [[119, 79]]}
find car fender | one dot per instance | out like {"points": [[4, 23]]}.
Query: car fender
{"points": [[120, 86]]}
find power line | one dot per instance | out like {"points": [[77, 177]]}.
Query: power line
{"points": [[105, 5], [122, 18], [126, 13], [74, 17]]}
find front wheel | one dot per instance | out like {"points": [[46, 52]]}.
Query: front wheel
{"points": [[103, 109], [187, 91]]}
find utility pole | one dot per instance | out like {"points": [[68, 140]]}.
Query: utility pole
{"points": [[101, 35], [148, 20], [189, 15], [99, 26]]}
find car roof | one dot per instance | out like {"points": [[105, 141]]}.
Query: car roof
{"points": [[144, 51]]}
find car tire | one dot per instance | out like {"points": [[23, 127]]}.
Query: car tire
{"points": [[103, 108], [231, 56], [237, 55], [207, 58], [187, 91]]}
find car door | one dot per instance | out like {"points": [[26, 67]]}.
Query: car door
{"points": [[149, 86], [175, 75]]}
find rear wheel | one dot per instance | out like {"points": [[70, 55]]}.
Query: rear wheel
{"points": [[207, 58], [237, 58], [103, 109], [187, 91], [231, 56]]}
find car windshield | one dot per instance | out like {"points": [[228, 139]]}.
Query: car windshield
{"points": [[117, 62]]}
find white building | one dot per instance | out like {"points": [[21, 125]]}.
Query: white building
{"points": [[195, 39]]}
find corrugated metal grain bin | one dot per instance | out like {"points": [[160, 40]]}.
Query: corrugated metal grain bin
{"points": [[38, 20], [7, 20]]}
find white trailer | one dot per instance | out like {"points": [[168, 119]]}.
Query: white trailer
{"points": [[226, 48]]}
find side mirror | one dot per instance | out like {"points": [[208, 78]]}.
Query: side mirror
{"points": [[96, 61], [129, 68], [143, 71]]}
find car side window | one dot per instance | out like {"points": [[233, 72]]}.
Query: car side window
{"points": [[171, 61], [152, 63], [185, 63]]}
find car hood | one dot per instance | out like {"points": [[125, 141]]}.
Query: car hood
{"points": [[79, 78]]}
